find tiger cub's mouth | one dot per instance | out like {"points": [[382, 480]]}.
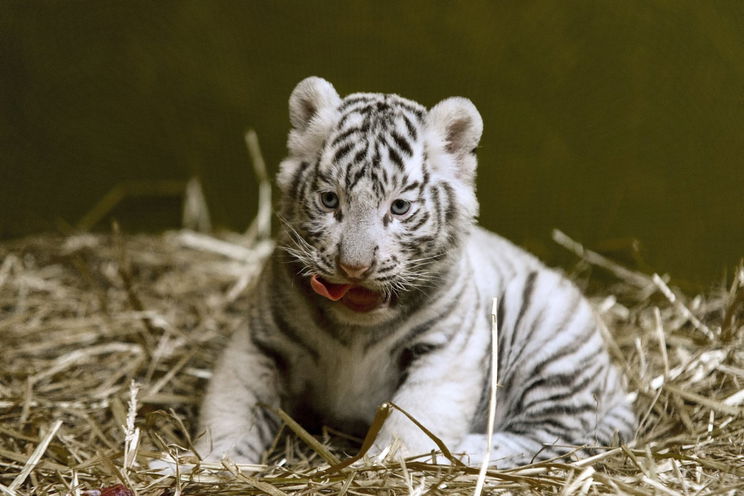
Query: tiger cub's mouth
{"points": [[352, 296]]}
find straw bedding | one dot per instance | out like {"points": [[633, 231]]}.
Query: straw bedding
{"points": [[107, 341]]}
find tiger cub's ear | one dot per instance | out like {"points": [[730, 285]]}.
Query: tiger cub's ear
{"points": [[313, 109], [309, 98], [454, 129]]}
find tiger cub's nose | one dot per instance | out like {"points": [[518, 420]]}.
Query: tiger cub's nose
{"points": [[354, 271]]}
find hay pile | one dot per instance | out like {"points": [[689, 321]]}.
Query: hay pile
{"points": [[108, 341]]}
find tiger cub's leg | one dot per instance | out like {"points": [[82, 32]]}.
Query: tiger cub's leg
{"points": [[514, 449], [557, 387], [233, 421]]}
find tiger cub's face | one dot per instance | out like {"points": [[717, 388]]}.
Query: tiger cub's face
{"points": [[377, 194]]}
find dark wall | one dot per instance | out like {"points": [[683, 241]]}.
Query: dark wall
{"points": [[610, 120]]}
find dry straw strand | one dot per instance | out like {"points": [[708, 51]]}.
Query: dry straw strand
{"points": [[491, 398], [33, 460]]}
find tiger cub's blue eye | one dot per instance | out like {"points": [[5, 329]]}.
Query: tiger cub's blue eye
{"points": [[329, 199], [400, 207]]}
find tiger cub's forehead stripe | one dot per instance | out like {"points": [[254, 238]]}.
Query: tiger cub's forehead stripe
{"points": [[381, 112], [403, 145], [349, 133], [361, 155], [410, 127], [395, 158], [374, 130]]}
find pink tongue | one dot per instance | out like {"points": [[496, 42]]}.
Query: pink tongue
{"points": [[333, 292]]}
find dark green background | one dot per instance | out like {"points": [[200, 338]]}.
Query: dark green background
{"points": [[610, 120]]}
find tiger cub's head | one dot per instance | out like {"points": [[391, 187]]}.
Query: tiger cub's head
{"points": [[377, 194]]}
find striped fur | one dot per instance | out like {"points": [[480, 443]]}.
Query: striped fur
{"points": [[426, 347]]}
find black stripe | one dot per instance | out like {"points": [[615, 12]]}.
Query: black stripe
{"points": [[537, 322], [347, 176], [416, 111], [385, 269], [414, 215], [314, 184], [553, 412], [413, 249], [395, 158], [342, 152], [386, 278], [437, 205], [409, 355], [577, 344], [421, 222], [420, 349], [286, 328], [307, 183], [376, 160], [349, 101], [403, 145], [266, 424], [629, 427], [410, 127], [365, 125], [324, 177], [342, 122], [361, 154], [379, 188], [470, 326], [531, 428], [383, 107], [501, 311], [427, 176], [395, 181], [413, 185], [422, 240], [310, 235], [368, 109], [617, 414], [357, 177], [242, 450], [295, 184], [280, 361], [500, 316], [422, 328], [451, 210], [344, 135], [573, 387], [529, 286]]}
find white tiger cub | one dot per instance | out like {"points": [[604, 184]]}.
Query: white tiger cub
{"points": [[381, 290]]}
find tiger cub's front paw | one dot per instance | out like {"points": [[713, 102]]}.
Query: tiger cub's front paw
{"points": [[171, 466], [245, 451]]}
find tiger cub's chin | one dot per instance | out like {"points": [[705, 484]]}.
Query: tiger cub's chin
{"points": [[349, 315]]}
